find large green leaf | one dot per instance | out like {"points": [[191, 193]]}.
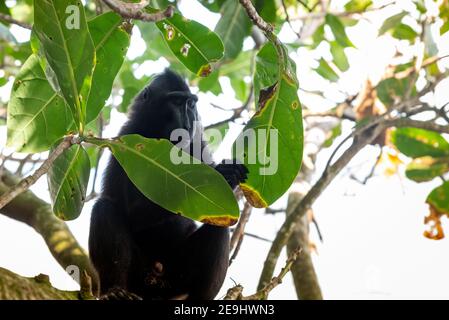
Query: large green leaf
{"points": [[37, 116], [67, 180], [391, 22], [271, 143], [233, 27], [426, 168], [193, 44], [111, 44], [194, 190], [438, 199], [417, 143], [338, 29], [64, 37]]}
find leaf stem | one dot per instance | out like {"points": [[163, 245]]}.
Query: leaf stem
{"points": [[27, 182]]}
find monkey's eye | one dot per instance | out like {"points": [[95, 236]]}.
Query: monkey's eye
{"points": [[179, 101]]}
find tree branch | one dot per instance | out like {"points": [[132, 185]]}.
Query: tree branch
{"points": [[27, 182], [255, 18], [36, 213], [15, 287], [328, 175], [9, 19], [235, 293], [135, 11]]}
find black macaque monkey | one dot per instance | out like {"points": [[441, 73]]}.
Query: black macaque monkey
{"points": [[138, 248]]}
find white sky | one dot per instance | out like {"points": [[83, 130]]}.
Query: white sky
{"points": [[373, 245]]}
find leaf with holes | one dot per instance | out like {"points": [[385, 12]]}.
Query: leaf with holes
{"points": [[232, 28], [193, 44], [194, 190], [111, 44], [67, 181], [65, 41], [415, 143], [37, 116], [271, 143]]}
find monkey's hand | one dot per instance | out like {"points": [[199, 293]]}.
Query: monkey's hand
{"points": [[234, 173], [119, 294]]}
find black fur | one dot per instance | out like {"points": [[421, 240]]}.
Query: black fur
{"points": [[137, 246]]}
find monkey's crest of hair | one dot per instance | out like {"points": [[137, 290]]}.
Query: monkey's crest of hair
{"points": [[167, 81]]}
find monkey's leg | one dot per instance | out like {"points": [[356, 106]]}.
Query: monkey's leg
{"points": [[204, 262], [111, 249]]}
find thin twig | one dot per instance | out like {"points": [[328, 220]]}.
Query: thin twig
{"points": [[287, 18], [326, 178], [372, 171], [27, 182], [9, 19], [319, 15], [135, 11], [239, 231], [262, 294], [255, 18]]}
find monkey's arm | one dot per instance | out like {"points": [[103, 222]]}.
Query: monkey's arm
{"points": [[204, 262], [234, 173]]}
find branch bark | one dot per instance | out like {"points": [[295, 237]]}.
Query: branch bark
{"points": [[364, 138], [36, 213], [15, 287], [135, 11], [9, 19]]}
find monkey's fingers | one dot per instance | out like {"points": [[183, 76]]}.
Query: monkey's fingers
{"points": [[119, 294]]}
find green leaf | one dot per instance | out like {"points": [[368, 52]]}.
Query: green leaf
{"points": [[444, 15], [391, 89], [62, 30], [266, 9], [325, 70], [339, 56], [193, 44], [271, 143], [233, 27], [211, 83], [67, 181], [131, 86], [417, 143], [438, 199], [215, 135], [37, 116], [358, 5], [392, 22], [193, 190], [111, 44], [332, 135], [404, 32], [427, 168], [338, 29]]}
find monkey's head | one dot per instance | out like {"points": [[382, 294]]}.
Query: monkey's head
{"points": [[168, 104]]}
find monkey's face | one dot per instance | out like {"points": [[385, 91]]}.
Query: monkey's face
{"points": [[181, 112]]}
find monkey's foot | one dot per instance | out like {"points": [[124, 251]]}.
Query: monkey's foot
{"points": [[119, 294]]}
